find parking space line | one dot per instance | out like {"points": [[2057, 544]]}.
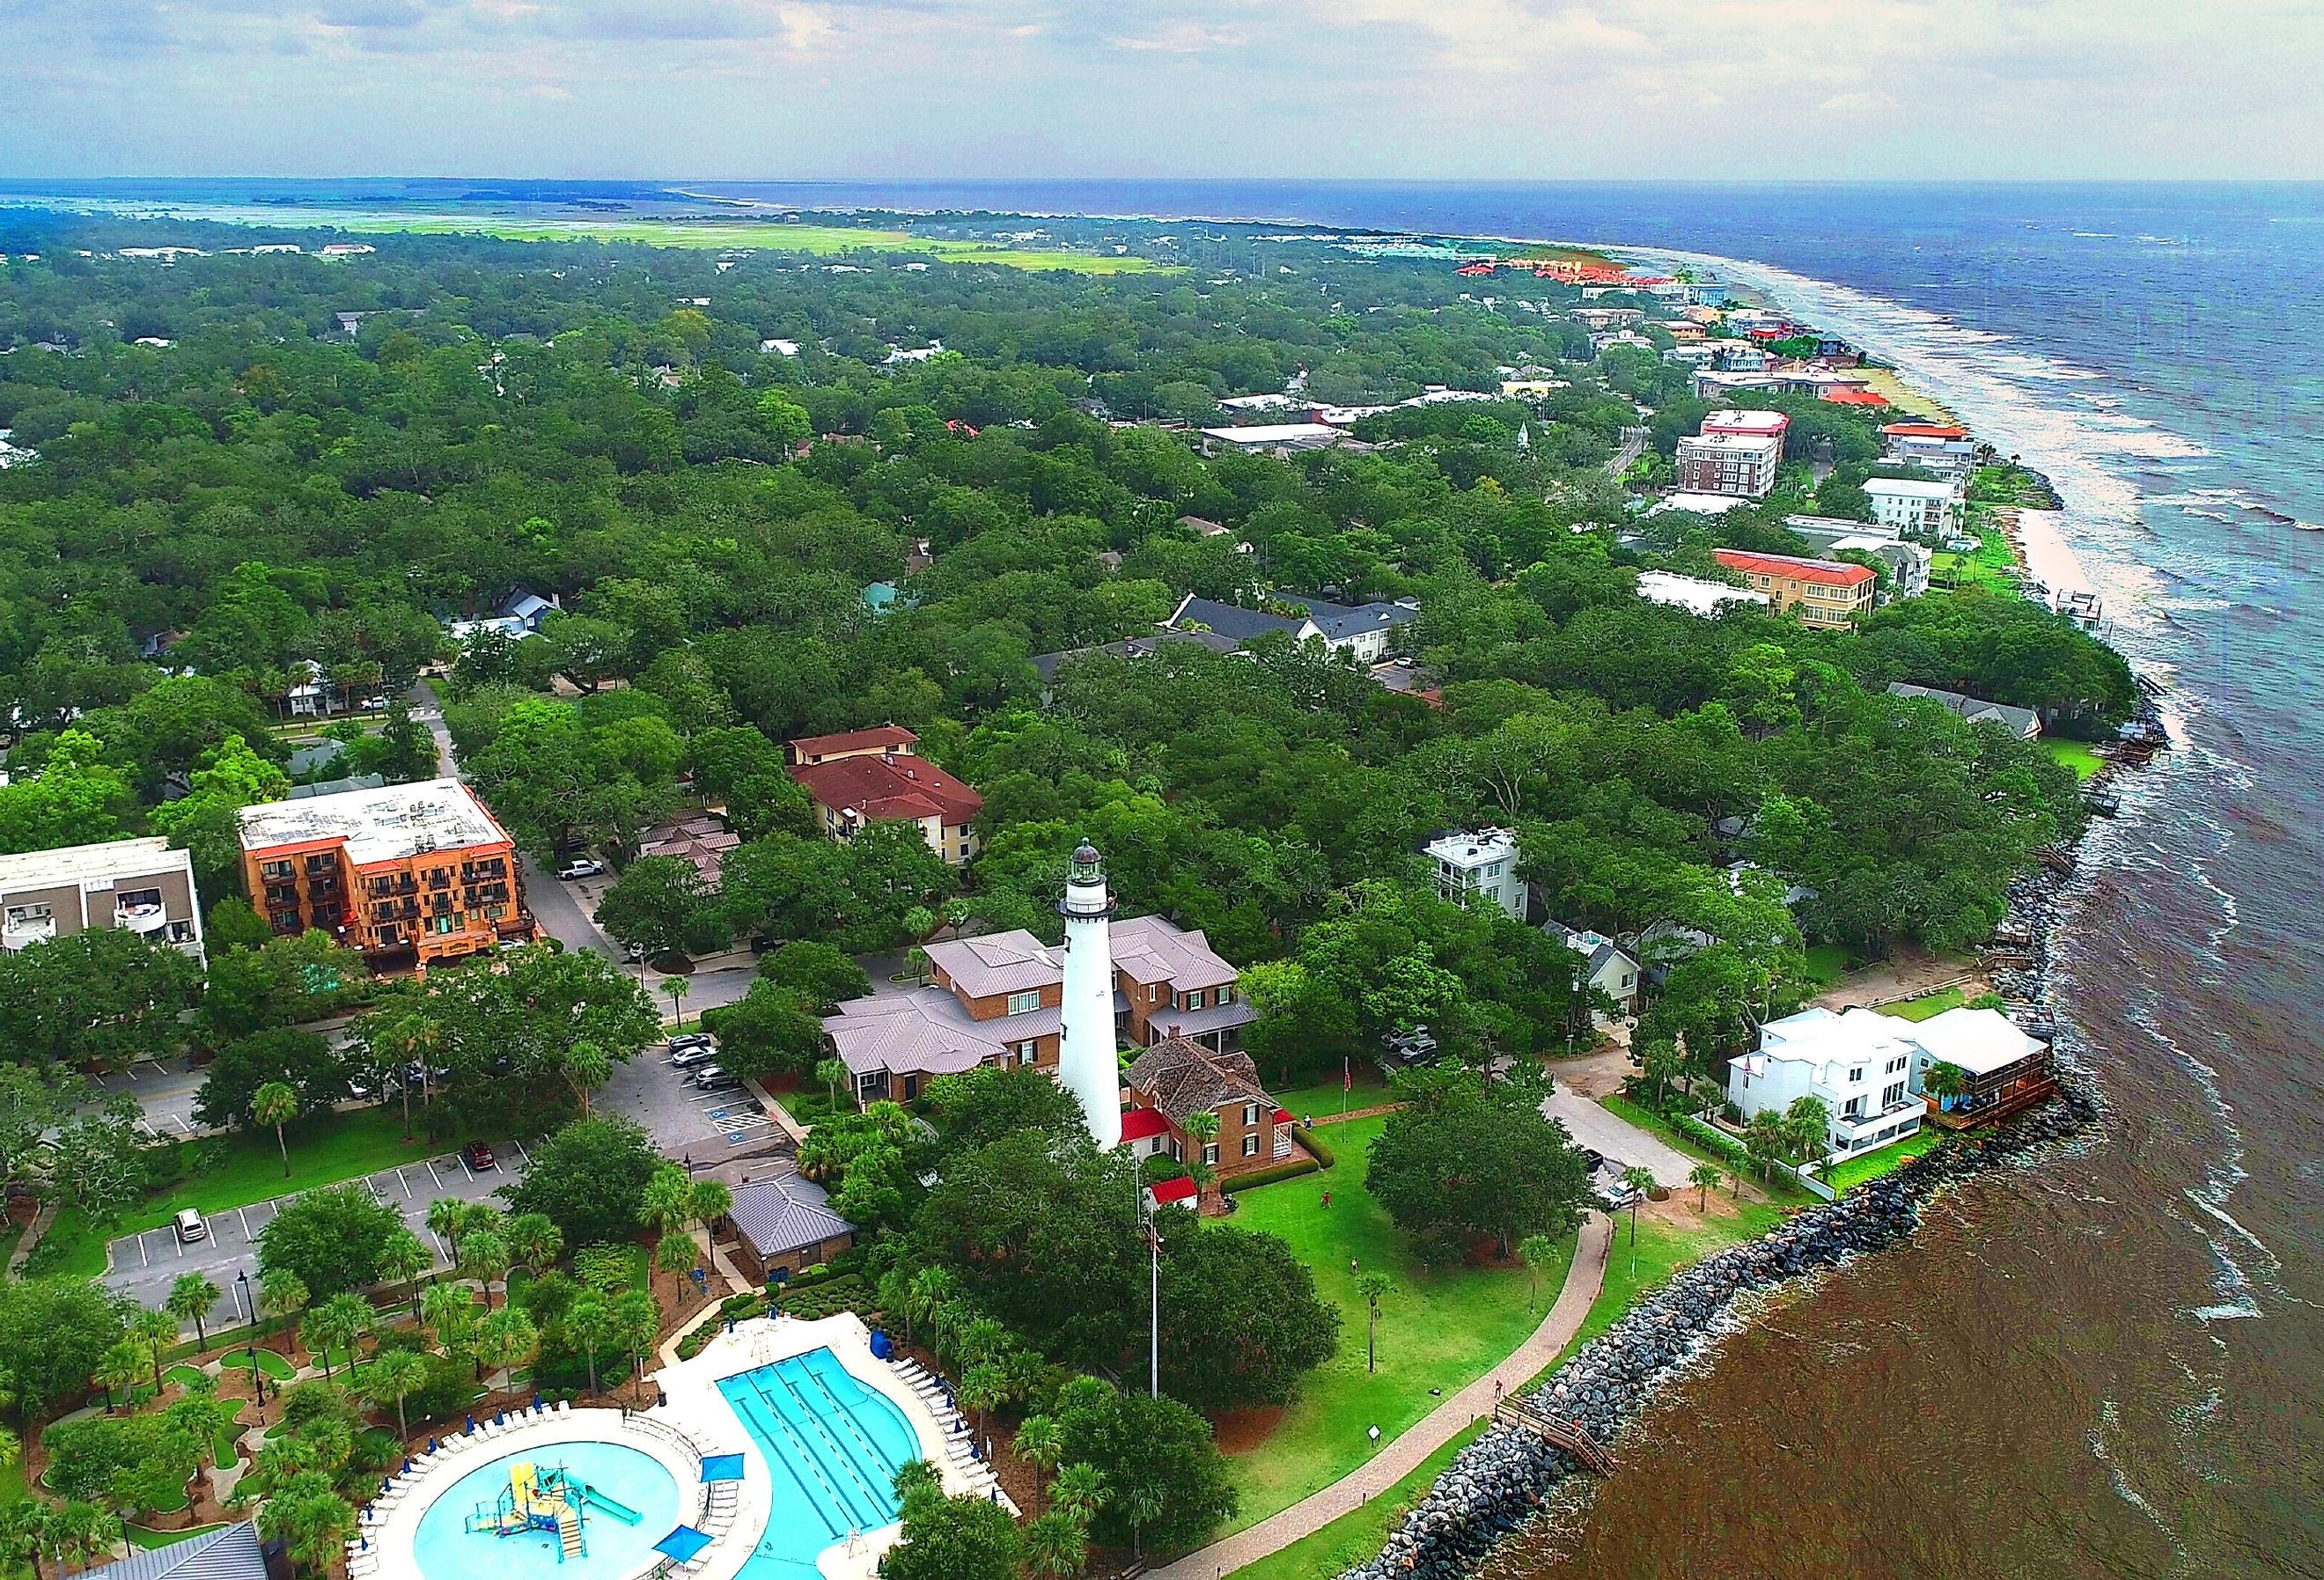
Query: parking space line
{"points": [[245, 1215], [147, 1128], [439, 1243], [429, 1164], [522, 1156], [143, 1260], [465, 1168], [182, 1124]]}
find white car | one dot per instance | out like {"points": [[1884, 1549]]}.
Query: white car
{"points": [[584, 867]]}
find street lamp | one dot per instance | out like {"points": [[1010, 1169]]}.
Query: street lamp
{"points": [[250, 1313]]}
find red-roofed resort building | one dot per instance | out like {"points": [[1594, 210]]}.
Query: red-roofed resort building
{"points": [[874, 776], [1830, 593]]}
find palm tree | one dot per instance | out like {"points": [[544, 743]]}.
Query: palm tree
{"points": [[1372, 1287], [1661, 1063], [1079, 1491], [1764, 1140], [918, 1488], [118, 1370], [830, 1072], [82, 1533], [637, 1323], [1705, 1177], [676, 987], [154, 1332], [933, 1288], [667, 1203], [190, 1300], [1637, 1181], [338, 1323], [507, 1339], [676, 1255], [276, 1104], [980, 1387], [1056, 1544], [1041, 1444], [1536, 1252], [587, 1066], [449, 1315], [485, 1256], [590, 1324], [446, 1216], [1946, 1082], [1138, 1503], [200, 1416], [310, 1517], [20, 1522], [535, 1241], [1201, 1130], [1807, 1126], [395, 1376], [402, 1259], [711, 1201]]}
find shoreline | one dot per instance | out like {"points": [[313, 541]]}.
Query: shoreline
{"points": [[1509, 1480]]}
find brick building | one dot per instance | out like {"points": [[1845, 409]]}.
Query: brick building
{"points": [[875, 776], [1176, 1079], [419, 872]]}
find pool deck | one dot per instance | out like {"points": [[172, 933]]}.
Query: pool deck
{"points": [[696, 1422], [698, 1408], [392, 1523]]}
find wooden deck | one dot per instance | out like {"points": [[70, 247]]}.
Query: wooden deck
{"points": [[2019, 1100], [1562, 1434]]}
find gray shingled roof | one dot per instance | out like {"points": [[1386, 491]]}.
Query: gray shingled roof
{"points": [[1047, 665], [230, 1553], [2022, 722], [1234, 620], [785, 1213], [1338, 622]]}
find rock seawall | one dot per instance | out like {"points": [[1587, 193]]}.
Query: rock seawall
{"points": [[1506, 1478]]}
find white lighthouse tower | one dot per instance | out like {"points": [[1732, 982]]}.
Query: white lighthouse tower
{"points": [[1086, 1066]]}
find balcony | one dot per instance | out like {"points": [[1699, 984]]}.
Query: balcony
{"points": [[145, 920]]}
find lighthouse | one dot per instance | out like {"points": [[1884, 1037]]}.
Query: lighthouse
{"points": [[1086, 1066]]}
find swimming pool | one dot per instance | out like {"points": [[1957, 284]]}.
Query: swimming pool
{"points": [[831, 1447], [633, 1503]]}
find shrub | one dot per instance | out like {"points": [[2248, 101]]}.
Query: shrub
{"points": [[1305, 1136], [1160, 1166], [449, 1388], [736, 1307], [1270, 1175]]}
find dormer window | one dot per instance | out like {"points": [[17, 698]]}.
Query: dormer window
{"points": [[1019, 1003]]}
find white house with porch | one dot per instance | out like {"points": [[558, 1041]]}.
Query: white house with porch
{"points": [[1859, 1062]]}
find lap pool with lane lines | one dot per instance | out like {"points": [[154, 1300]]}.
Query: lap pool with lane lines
{"points": [[832, 1448]]}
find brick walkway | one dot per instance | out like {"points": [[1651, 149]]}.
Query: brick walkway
{"points": [[1392, 1464]]}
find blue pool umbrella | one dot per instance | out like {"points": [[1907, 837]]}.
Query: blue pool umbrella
{"points": [[682, 1544], [722, 1467]]}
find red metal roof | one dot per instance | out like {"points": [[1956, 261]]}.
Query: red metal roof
{"points": [[1924, 430], [1847, 397], [1283, 1116], [885, 738], [1829, 572], [1139, 1124], [1169, 1190]]}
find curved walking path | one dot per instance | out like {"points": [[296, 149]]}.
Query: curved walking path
{"points": [[1439, 1427]]}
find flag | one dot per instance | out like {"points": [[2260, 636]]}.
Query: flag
{"points": [[1347, 1076]]}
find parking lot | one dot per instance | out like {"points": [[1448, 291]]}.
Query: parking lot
{"points": [[144, 1266], [687, 1123]]}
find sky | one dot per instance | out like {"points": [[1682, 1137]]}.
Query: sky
{"points": [[1446, 90]]}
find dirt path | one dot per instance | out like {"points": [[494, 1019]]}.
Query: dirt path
{"points": [[1392, 1464]]}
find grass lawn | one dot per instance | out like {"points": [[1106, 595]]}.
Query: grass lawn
{"points": [[1827, 963], [1646, 1119], [1926, 1005], [326, 1149], [185, 1376], [2074, 754], [1357, 1537], [1873, 1164], [1438, 1330], [276, 1368], [1993, 566], [1323, 1098]]}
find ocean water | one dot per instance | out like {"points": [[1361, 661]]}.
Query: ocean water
{"points": [[2110, 1364]]}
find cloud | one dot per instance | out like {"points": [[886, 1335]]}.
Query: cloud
{"points": [[382, 13]]}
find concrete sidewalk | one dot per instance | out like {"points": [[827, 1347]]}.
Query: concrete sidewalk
{"points": [[1392, 1464]]}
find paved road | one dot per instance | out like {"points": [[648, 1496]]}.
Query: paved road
{"points": [[165, 1092], [1624, 1143], [1401, 1457], [143, 1266]]}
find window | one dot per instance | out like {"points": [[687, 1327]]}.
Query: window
{"points": [[182, 932], [1249, 1116], [1222, 997], [1194, 998], [1211, 1153], [1019, 1003], [131, 898], [1026, 1051], [275, 872], [1893, 1095], [1856, 1076], [1250, 1145]]}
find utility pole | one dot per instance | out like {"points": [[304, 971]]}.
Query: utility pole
{"points": [[1154, 1308]]}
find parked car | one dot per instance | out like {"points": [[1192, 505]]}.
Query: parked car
{"points": [[698, 1053], [374, 705], [360, 1088], [191, 1227], [478, 1157], [587, 866], [691, 1040], [1592, 1159], [713, 1078]]}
